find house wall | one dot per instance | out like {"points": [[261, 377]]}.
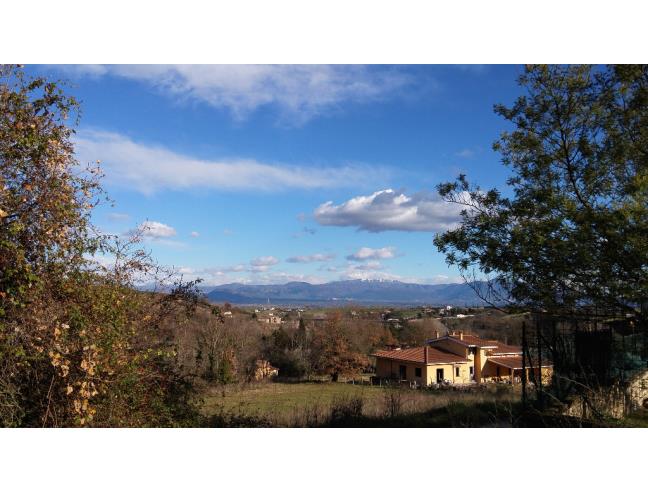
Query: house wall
{"points": [[389, 369], [489, 371], [480, 362], [448, 373]]}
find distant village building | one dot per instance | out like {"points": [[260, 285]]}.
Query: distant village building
{"points": [[457, 359], [263, 370], [270, 319]]}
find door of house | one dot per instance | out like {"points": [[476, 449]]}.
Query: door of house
{"points": [[440, 376], [402, 372]]}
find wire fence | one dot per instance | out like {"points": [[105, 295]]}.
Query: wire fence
{"points": [[593, 352]]}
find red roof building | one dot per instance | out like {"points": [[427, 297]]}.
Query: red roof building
{"points": [[458, 358]]}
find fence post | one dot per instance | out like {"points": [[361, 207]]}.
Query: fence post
{"points": [[524, 374], [539, 341]]}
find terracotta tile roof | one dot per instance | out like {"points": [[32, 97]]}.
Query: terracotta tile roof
{"points": [[473, 340], [506, 349], [416, 354], [514, 362]]}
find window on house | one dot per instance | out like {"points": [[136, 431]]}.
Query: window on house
{"points": [[471, 350], [457, 371], [402, 372], [418, 372], [472, 370]]}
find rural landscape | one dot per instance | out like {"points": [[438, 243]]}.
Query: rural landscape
{"points": [[177, 250]]}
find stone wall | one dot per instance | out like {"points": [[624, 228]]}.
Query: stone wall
{"points": [[615, 402], [637, 392]]}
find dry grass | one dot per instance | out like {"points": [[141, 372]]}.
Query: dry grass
{"points": [[316, 404]]}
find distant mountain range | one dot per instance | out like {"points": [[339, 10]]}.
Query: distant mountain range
{"points": [[362, 292]]}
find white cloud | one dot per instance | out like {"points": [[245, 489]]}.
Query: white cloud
{"points": [[278, 277], [300, 92], [317, 257], [371, 270], [228, 232], [465, 153], [219, 276], [149, 168], [151, 229], [118, 217], [364, 254], [390, 210], [257, 265], [355, 274], [474, 68], [264, 261], [194, 234], [372, 265]]}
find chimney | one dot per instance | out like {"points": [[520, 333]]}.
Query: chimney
{"points": [[436, 334], [461, 335], [426, 356]]}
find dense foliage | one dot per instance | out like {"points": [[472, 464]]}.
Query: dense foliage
{"points": [[573, 229], [78, 345]]}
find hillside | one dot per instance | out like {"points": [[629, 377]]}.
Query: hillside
{"points": [[346, 292]]}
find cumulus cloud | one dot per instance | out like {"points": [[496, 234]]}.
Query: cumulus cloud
{"points": [[318, 257], [299, 92], [148, 168], [150, 229], [264, 261], [391, 210], [364, 254], [194, 234]]}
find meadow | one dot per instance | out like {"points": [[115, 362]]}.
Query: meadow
{"points": [[315, 404]]}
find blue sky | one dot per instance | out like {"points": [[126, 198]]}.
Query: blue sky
{"points": [[268, 174]]}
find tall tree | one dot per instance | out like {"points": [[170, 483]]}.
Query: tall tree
{"points": [[333, 353], [572, 227]]}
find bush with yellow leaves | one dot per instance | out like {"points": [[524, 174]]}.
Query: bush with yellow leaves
{"points": [[79, 345]]}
